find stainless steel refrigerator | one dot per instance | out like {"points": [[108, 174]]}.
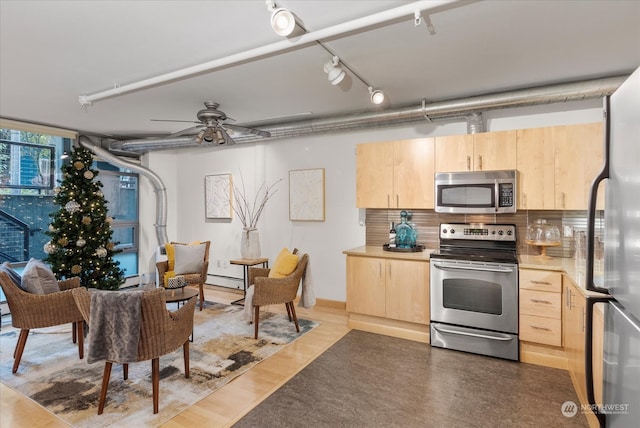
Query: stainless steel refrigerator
{"points": [[621, 276]]}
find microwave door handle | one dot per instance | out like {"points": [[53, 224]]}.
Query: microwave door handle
{"points": [[444, 266]]}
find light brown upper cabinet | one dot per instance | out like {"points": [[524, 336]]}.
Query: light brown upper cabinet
{"points": [[396, 174], [536, 171], [556, 166], [578, 159], [476, 152]]}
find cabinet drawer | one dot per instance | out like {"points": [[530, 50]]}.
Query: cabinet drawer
{"points": [[541, 303], [547, 331], [542, 280]]}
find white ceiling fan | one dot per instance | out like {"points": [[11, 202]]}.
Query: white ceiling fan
{"points": [[212, 126]]}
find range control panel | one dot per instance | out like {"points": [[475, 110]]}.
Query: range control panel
{"points": [[478, 231]]}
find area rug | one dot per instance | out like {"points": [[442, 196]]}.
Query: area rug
{"points": [[223, 348]]}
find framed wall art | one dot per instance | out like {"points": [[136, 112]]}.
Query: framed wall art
{"points": [[218, 193], [306, 195]]}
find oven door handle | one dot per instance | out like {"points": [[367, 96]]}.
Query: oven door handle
{"points": [[458, 267], [491, 336]]}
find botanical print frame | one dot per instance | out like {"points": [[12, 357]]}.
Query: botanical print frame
{"points": [[306, 195], [218, 193]]}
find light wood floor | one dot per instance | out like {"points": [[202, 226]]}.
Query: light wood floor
{"points": [[228, 404]]}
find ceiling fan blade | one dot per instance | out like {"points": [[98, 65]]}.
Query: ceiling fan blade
{"points": [[227, 139], [254, 131], [186, 131], [171, 120]]}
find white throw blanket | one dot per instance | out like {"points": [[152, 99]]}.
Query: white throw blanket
{"points": [[114, 326], [307, 295]]}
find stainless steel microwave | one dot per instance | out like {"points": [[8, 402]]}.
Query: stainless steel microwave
{"points": [[478, 192]]}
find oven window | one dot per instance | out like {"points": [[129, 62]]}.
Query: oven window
{"points": [[468, 195], [472, 295]]}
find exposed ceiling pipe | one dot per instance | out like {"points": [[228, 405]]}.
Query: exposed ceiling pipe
{"points": [[459, 108], [156, 181], [358, 24]]}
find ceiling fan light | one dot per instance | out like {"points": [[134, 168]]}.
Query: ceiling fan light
{"points": [[199, 137], [285, 23], [209, 135], [377, 96]]}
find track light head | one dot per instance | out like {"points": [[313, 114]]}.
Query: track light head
{"points": [[284, 22], [377, 96], [335, 72]]}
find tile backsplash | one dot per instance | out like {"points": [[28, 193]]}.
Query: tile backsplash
{"points": [[427, 222]]}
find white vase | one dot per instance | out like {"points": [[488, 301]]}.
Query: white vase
{"points": [[250, 243]]}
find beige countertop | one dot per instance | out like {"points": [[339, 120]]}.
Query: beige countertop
{"points": [[377, 251], [573, 268]]}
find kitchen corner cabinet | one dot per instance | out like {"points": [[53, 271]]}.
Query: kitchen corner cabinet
{"points": [[393, 289], [476, 152], [397, 174], [574, 335]]}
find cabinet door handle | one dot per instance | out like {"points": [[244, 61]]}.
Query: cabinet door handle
{"points": [[537, 327], [468, 163], [388, 200], [546, 302], [524, 201], [564, 200], [480, 162], [540, 282], [397, 201]]}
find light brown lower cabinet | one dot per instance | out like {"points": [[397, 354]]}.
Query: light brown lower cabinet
{"points": [[393, 289]]}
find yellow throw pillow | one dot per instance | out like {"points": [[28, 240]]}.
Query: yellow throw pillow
{"points": [[285, 264]]}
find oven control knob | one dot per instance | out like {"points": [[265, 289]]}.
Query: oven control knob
{"points": [[500, 232], [444, 230], [493, 232], [453, 231], [509, 232]]}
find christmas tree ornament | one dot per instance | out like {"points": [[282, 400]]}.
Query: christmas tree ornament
{"points": [[72, 207], [86, 220], [78, 164], [63, 241], [81, 243], [49, 248], [88, 175], [76, 269], [101, 252]]}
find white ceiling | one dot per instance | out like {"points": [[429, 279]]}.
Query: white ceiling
{"points": [[51, 52]]}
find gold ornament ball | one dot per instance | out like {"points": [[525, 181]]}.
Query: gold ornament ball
{"points": [[76, 269], [78, 165]]}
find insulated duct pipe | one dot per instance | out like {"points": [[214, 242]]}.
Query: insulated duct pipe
{"points": [[460, 108], [284, 45], [156, 181]]}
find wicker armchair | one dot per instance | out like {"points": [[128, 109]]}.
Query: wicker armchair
{"points": [[270, 291], [196, 278], [29, 311], [161, 332]]}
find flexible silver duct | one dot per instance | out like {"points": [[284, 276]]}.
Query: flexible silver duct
{"points": [[156, 181], [475, 123], [459, 108]]}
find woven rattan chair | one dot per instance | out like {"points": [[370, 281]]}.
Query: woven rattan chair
{"points": [[161, 332], [29, 311], [273, 291], [196, 278]]}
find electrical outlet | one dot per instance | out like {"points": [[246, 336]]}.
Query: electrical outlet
{"points": [[567, 231]]}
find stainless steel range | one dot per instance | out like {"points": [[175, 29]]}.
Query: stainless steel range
{"points": [[474, 289]]}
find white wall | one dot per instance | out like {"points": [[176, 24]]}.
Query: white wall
{"points": [[183, 171]]}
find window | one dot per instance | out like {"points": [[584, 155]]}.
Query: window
{"points": [[30, 160]]}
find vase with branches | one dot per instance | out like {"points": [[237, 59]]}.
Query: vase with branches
{"points": [[249, 211]]}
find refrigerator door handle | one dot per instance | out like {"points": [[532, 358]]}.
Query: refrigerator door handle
{"points": [[593, 197], [588, 355]]}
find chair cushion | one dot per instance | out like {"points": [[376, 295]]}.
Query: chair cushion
{"points": [[15, 277], [189, 258], [285, 264], [37, 278]]}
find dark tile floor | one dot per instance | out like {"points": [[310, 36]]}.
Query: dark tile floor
{"points": [[369, 380]]}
